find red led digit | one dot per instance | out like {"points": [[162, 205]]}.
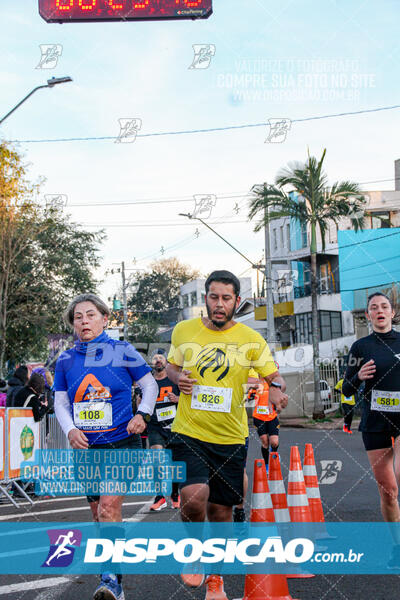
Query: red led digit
{"points": [[192, 3], [141, 4], [61, 6], [87, 4], [115, 6]]}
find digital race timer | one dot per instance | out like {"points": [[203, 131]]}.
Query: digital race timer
{"points": [[64, 11]]}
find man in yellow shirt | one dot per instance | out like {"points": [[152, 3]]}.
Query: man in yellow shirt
{"points": [[209, 360]]}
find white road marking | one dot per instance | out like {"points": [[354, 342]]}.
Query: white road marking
{"points": [[63, 499], [33, 585], [56, 510], [140, 514]]}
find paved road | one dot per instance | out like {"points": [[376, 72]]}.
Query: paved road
{"points": [[353, 497]]}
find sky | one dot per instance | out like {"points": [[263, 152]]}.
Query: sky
{"points": [[269, 59]]}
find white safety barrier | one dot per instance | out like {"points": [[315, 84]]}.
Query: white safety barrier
{"points": [[20, 437]]}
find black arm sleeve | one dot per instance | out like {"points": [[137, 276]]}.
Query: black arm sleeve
{"points": [[351, 381]]}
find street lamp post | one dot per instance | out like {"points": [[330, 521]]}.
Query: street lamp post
{"points": [[50, 83], [269, 299]]}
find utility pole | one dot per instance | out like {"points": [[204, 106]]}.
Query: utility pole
{"points": [[268, 287], [125, 307]]}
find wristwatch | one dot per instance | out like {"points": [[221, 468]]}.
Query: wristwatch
{"points": [[275, 384], [145, 416]]}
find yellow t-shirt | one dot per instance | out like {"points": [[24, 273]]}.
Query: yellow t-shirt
{"points": [[344, 399], [219, 359]]}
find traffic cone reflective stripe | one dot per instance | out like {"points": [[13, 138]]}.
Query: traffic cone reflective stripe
{"points": [[261, 504], [298, 500], [277, 489], [260, 501]]}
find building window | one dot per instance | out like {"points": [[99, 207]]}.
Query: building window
{"points": [[275, 238], [203, 297], [380, 220], [282, 240], [288, 236], [185, 300], [330, 324], [323, 279], [193, 298]]}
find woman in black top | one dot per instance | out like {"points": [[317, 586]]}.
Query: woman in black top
{"points": [[375, 360], [32, 396]]}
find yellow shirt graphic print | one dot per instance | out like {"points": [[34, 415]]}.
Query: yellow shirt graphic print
{"points": [[219, 361]]}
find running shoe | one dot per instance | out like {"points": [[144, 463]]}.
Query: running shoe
{"points": [[109, 588], [239, 516], [394, 560], [176, 503], [349, 430], [345, 428], [193, 575], [159, 504], [215, 588]]}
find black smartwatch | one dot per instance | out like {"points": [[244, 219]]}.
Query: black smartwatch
{"points": [[145, 416], [275, 384]]}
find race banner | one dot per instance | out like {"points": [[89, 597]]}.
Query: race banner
{"points": [[219, 548], [2, 442], [23, 438]]}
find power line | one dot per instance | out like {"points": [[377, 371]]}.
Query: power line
{"points": [[162, 201], [209, 130]]}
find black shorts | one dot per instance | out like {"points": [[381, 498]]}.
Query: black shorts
{"points": [[158, 436], [246, 449], [132, 442], [376, 440], [220, 466], [267, 427]]}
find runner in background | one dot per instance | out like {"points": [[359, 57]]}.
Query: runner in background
{"points": [[375, 360], [348, 404], [265, 417], [159, 427]]}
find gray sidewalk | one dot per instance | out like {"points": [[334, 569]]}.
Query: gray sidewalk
{"points": [[308, 423]]}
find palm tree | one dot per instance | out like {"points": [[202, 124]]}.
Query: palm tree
{"points": [[315, 205]]}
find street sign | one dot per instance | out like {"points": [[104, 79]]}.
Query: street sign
{"points": [[69, 11]]}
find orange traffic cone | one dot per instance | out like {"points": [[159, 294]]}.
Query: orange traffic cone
{"points": [[266, 587], [297, 497], [313, 494], [312, 487], [263, 587], [277, 489], [297, 494], [261, 504]]}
